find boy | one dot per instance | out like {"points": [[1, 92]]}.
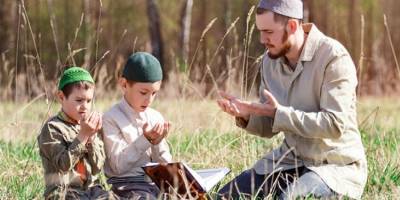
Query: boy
{"points": [[133, 133], [71, 152]]}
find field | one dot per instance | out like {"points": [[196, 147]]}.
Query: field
{"points": [[202, 136]]}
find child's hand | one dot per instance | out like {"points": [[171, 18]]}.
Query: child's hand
{"points": [[90, 124], [157, 133]]}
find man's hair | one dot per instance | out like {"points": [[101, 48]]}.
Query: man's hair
{"points": [[277, 17], [67, 90]]}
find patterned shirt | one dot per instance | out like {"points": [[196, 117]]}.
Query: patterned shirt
{"points": [[61, 151]]}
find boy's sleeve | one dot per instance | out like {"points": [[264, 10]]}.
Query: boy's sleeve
{"points": [[122, 156], [96, 154], [55, 148], [160, 153]]}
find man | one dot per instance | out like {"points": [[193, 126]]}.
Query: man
{"points": [[307, 91]]}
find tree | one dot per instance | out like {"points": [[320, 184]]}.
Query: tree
{"points": [[185, 22], [157, 44]]}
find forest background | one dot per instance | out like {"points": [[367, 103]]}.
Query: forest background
{"points": [[203, 45], [195, 40]]}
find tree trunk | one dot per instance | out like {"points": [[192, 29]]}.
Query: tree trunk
{"points": [[8, 11], [186, 18], [91, 11], [309, 11], [354, 29], [157, 44], [374, 73]]}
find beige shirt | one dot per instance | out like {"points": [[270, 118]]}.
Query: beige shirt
{"points": [[317, 115], [127, 150]]}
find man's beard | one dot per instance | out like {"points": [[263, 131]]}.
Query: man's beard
{"points": [[286, 47]]}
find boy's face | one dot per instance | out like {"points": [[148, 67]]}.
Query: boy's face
{"points": [[140, 95], [78, 103]]}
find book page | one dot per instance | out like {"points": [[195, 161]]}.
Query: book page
{"points": [[211, 177], [204, 179], [196, 176]]}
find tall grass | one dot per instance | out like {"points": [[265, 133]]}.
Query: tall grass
{"points": [[203, 137]]}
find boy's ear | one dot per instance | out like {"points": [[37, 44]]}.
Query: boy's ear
{"points": [[122, 83], [60, 96]]}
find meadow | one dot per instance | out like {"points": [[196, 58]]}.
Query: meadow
{"points": [[202, 136]]}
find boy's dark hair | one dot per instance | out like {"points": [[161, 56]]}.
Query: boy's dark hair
{"points": [[130, 82], [67, 90], [277, 17]]}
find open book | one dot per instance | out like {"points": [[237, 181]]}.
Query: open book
{"points": [[182, 179]]}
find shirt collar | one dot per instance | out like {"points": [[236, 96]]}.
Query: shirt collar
{"points": [[310, 46], [312, 42], [64, 117], [129, 110]]}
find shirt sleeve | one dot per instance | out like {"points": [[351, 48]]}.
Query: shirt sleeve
{"points": [[259, 125], [160, 153], [337, 105], [55, 148], [121, 155], [96, 154]]}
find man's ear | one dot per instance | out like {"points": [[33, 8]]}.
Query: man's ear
{"points": [[292, 26], [61, 96]]}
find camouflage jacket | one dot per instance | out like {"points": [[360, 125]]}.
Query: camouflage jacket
{"points": [[60, 151]]}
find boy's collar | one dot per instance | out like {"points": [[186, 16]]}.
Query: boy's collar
{"points": [[125, 105], [64, 117]]}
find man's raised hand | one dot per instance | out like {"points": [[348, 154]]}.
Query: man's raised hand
{"points": [[240, 108]]}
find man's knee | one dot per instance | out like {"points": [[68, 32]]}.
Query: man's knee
{"points": [[307, 185]]}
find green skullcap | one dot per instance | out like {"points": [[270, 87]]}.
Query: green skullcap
{"points": [[74, 74], [142, 67]]}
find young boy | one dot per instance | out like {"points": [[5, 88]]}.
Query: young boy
{"points": [[72, 153], [133, 133]]}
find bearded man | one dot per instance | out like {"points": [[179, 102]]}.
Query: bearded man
{"points": [[308, 93]]}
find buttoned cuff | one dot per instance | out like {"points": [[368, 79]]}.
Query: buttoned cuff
{"points": [[281, 119]]}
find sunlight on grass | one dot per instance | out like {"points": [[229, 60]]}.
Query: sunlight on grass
{"points": [[203, 137]]}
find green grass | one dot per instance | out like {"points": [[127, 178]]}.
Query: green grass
{"points": [[202, 139]]}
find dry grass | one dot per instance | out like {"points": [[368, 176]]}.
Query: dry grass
{"points": [[203, 137]]}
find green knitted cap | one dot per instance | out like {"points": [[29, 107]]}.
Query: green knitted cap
{"points": [[74, 74], [142, 67]]}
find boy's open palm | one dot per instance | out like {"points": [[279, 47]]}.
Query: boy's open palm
{"points": [[90, 124], [157, 133]]}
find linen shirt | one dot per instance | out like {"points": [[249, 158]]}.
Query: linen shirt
{"points": [[60, 151], [127, 150], [317, 115]]}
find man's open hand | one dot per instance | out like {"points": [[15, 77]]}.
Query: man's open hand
{"points": [[240, 108]]}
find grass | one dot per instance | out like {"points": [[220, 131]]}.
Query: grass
{"points": [[203, 137]]}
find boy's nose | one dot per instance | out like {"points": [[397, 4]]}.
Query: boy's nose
{"points": [[85, 105]]}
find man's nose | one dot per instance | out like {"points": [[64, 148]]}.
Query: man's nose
{"points": [[263, 39]]}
